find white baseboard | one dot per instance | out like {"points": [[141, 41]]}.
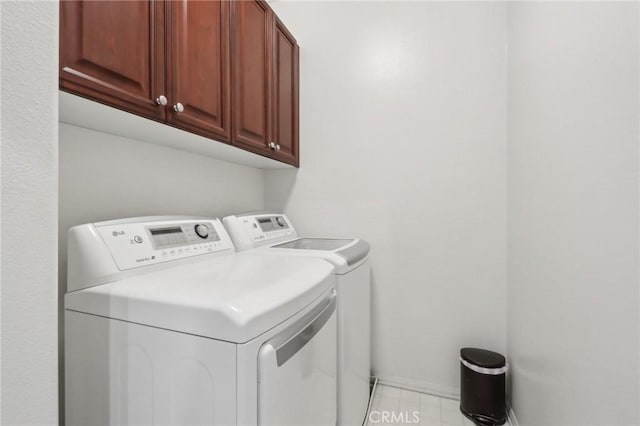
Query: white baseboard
{"points": [[420, 386], [513, 421]]}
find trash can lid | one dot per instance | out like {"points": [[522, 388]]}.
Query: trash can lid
{"points": [[482, 357]]}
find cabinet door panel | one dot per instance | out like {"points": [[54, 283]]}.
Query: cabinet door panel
{"points": [[251, 36], [198, 66], [113, 52], [285, 95]]}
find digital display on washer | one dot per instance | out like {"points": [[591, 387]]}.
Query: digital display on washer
{"points": [[167, 237], [162, 231], [266, 224]]}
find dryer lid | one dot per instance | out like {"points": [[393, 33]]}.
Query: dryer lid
{"points": [[233, 298]]}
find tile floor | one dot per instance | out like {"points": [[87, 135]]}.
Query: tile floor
{"points": [[431, 410]]}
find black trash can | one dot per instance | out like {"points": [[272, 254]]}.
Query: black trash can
{"points": [[482, 386]]}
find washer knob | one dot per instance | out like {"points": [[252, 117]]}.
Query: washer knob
{"points": [[202, 230], [280, 221]]}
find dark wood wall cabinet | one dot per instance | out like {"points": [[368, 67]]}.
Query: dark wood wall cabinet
{"points": [[226, 70]]}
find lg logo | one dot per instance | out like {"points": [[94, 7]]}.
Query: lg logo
{"points": [[401, 417]]}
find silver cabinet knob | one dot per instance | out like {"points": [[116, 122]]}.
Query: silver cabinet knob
{"points": [[277, 147], [272, 145], [178, 107], [161, 100]]}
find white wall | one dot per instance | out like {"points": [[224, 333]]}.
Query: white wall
{"points": [[108, 177], [403, 142], [29, 98], [573, 212]]}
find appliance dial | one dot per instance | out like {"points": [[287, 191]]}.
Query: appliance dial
{"points": [[202, 230], [280, 221]]}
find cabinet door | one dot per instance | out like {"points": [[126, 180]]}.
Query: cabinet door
{"points": [[251, 74], [198, 67], [285, 95], [113, 52]]}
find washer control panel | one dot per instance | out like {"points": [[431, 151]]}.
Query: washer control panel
{"points": [[265, 228], [254, 230], [139, 244]]}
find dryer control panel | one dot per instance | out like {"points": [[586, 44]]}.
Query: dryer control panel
{"points": [[254, 230], [133, 245], [139, 242]]}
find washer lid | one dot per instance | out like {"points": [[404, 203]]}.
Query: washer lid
{"points": [[233, 298], [315, 244], [351, 250]]}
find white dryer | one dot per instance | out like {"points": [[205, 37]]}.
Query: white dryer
{"points": [[165, 324], [275, 234]]}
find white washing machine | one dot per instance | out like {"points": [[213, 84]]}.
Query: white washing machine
{"points": [[166, 325], [275, 234]]}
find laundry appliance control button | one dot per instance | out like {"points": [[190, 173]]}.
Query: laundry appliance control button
{"points": [[202, 230]]}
